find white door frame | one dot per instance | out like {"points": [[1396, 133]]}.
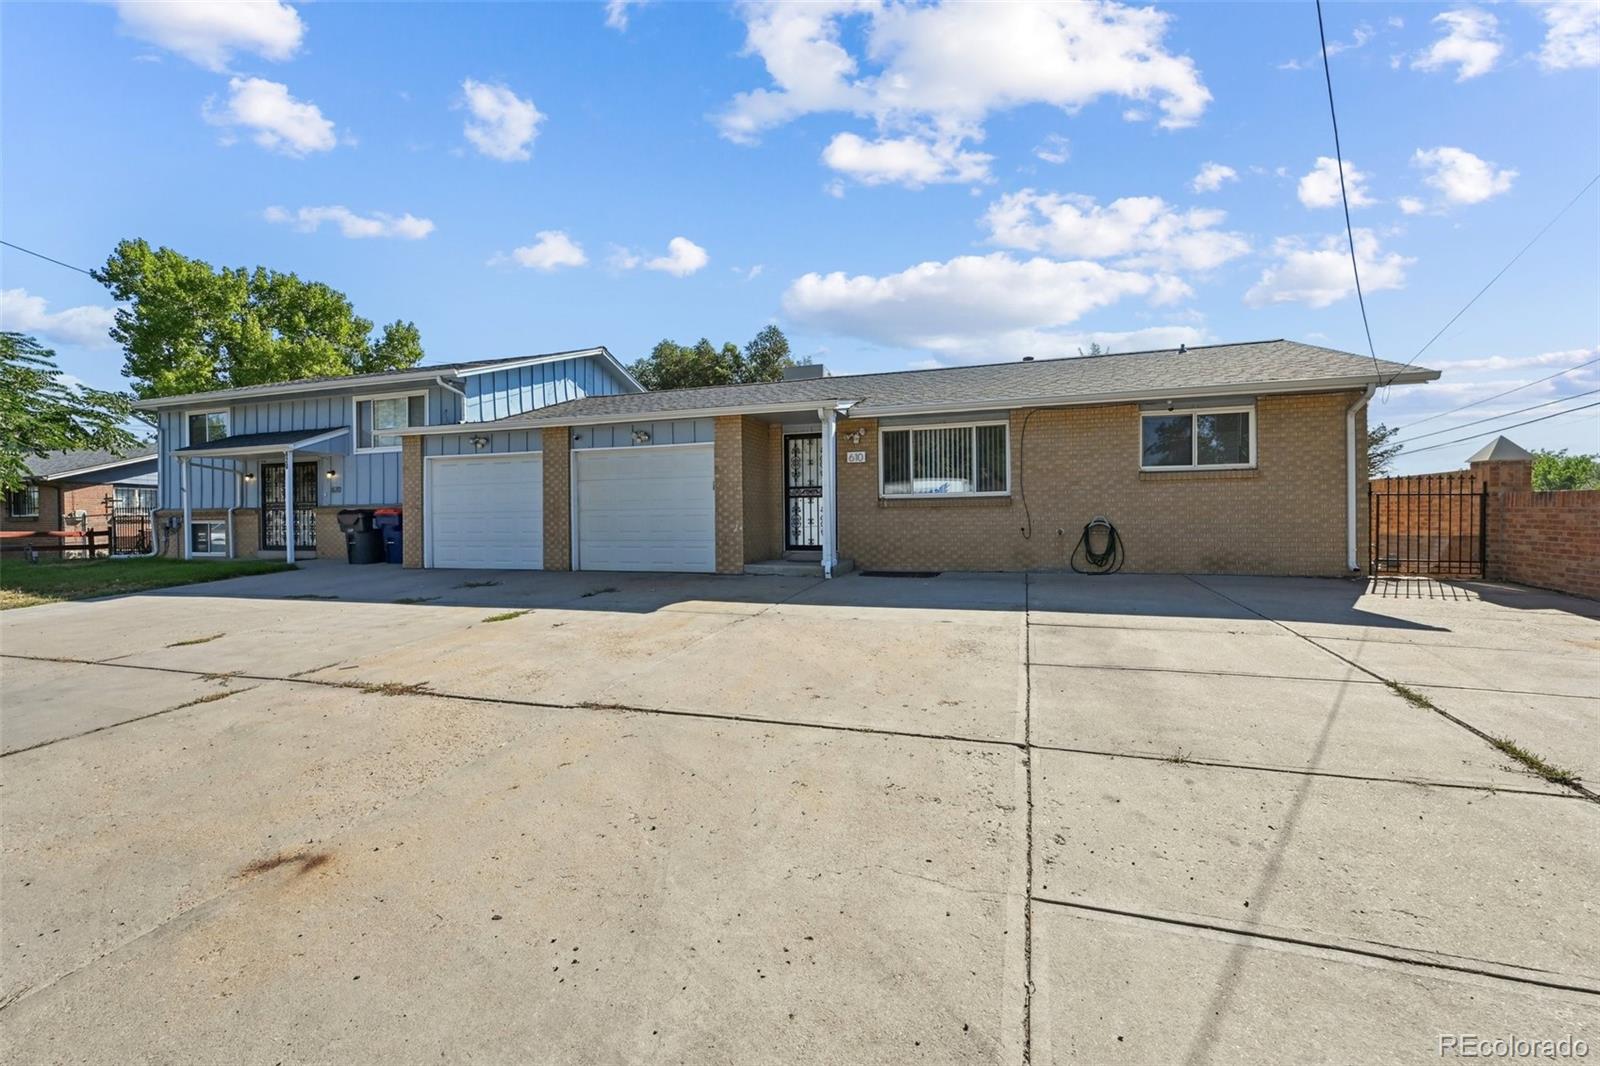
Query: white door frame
{"points": [[427, 492]]}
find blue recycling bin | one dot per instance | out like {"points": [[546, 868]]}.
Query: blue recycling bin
{"points": [[388, 521]]}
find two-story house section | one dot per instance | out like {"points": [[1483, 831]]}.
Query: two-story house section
{"points": [[264, 470]]}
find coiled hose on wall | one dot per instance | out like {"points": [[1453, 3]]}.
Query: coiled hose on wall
{"points": [[1107, 559]]}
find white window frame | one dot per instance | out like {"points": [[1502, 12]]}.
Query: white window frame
{"points": [[118, 490], [24, 490], [913, 427], [367, 397], [227, 422], [193, 522], [1194, 437]]}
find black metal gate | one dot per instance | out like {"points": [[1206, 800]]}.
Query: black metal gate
{"points": [[802, 491], [1436, 524], [305, 504], [130, 534]]}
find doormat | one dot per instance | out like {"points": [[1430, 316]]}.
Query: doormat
{"points": [[901, 573]]}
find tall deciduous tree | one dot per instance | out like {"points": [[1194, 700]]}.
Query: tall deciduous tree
{"points": [[1554, 471], [1380, 453], [671, 365], [192, 327], [40, 413]]}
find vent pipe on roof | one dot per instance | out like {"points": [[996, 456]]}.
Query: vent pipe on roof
{"points": [[1182, 348], [1027, 359]]}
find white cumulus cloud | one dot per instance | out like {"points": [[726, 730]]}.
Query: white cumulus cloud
{"points": [[1213, 176], [1460, 176], [208, 32], [279, 122], [897, 65], [904, 161], [1572, 35], [1471, 43], [1320, 186], [1410, 205], [378, 224], [992, 306], [1054, 149], [683, 258], [87, 326], [503, 125], [1319, 276], [1137, 231], [551, 250], [617, 12]]}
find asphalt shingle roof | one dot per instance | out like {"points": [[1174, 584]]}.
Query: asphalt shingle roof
{"points": [[264, 441], [1223, 368], [58, 463]]}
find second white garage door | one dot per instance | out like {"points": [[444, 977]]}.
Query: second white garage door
{"points": [[485, 511], [647, 508]]}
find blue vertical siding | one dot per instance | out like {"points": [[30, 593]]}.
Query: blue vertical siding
{"points": [[620, 434]]}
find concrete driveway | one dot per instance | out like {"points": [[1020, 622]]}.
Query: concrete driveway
{"points": [[365, 814]]}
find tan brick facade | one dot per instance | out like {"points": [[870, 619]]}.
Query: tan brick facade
{"points": [[557, 498], [763, 489], [728, 477], [1286, 516], [411, 500]]}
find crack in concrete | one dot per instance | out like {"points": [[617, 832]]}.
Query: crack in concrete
{"points": [[209, 698], [1307, 942], [1027, 769]]}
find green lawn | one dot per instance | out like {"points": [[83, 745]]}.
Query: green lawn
{"points": [[24, 584]]}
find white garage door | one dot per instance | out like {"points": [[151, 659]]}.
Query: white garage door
{"points": [[485, 511], [647, 508]]}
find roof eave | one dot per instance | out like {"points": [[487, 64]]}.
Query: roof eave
{"points": [[248, 392], [517, 423], [311, 437], [65, 475]]}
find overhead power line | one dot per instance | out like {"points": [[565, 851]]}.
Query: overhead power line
{"points": [[46, 258], [1509, 264], [1338, 155], [1503, 414], [1501, 429], [1498, 395]]}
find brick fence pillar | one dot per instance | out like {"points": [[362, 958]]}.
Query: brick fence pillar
{"points": [[1502, 468], [557, 497]]}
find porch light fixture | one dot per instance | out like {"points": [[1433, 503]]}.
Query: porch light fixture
{"points": [[479, 443], [249, 476], [331, 474], [641, 436], [855, 435]]}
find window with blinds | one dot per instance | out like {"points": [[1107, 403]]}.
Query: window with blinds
{"points": [[953, 460]]}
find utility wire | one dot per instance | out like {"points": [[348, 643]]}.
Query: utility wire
{"points": [[1502, 429], [1496, 396], [1502, 414], [1338, 154], [1509, 263], [46, 258]]}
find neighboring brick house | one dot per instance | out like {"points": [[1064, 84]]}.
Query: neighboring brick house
{"points": [[78, 491], [1238, 458]]}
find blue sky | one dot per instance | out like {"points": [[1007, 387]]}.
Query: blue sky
{"points": [[894, 185]]}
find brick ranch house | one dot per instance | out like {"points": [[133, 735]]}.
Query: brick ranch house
{"points": [[1241, 458], [78, 491]]}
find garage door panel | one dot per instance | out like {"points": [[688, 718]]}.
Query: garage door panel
{"points": [[486, 512], [647, 508]]}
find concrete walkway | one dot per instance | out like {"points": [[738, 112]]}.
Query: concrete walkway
{"points": [[360, 813]]}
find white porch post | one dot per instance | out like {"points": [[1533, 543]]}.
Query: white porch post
{"points": [[183, 493], [288, 505], [830, 460]]}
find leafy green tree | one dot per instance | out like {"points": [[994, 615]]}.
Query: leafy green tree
{"points": [[1553, 471], [671, 365], [1381, 453], [40, 413], [192, 327]]}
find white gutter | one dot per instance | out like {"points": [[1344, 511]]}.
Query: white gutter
{"points": [[1351, 478], [830, 489], [461, 412]]}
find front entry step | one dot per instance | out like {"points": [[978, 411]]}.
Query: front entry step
{"points": [[797, 567]]}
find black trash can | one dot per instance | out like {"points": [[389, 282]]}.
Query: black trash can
{"points": [[388, 522], [362, 543]]}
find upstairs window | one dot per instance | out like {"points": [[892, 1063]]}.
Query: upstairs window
{"points": [[951, 460], [206, 426], [24, 503], [1198, 440], [134, 499], [378, 417]]}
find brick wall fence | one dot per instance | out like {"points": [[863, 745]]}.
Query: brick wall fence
{"points": [[1549, 540]]}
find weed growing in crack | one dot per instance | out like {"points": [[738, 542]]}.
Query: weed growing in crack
{"points": [[196, 640], [505, 616], [388, 688], [476, 584], [1556, 775]]}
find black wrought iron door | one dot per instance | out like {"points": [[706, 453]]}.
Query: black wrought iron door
{"points": [[1434, 524], [305, 506], [802, 501]]}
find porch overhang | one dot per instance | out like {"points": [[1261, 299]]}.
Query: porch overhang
{"points": [[261, 445]]}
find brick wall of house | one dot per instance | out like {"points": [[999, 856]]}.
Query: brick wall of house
{"points": [[557, 498], [411, 500], [728, 484], [1286, 516], [762, 458], [49, 516]]}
